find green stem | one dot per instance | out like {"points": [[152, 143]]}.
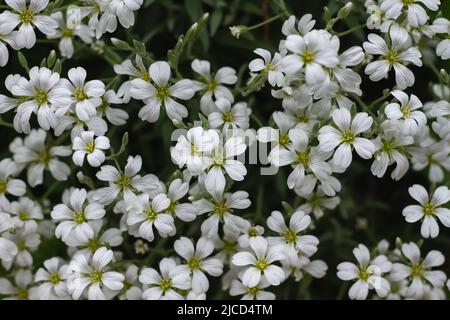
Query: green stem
{"points": [[351, 30], [6, 124], [278, 16], [364, 106], [256, 120]]}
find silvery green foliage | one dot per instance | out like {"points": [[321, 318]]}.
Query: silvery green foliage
{"points": [[83, 217]]}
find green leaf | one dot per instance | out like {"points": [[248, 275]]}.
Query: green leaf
{"points": [[58, 66], [216, 19], [123, 144], [193, 9], [23, 61], [51, 59], [255, 85], [445, 9]]}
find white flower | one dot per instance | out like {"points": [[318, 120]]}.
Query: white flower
{"points": [[109, 238], [345, 136], [136, 70], [303, 159], [132, 288], [87, 145], [416, 14], [213, 85], [9, 185], [22, 288], [269, 66], [442, 25], [165, 285], [6, 37], [194, 149], [66, 32], [25, 214], [236, 116], [390, 149], [126, 182], [124, 10], [290, 237], [184, 211], [259, 263], [116, 116], [318, 201], [251, 293], [397, 55], [223, 161], [297, 265], [28, 17], [429, 209], [34, 153], [304, 25], [436, 156], [312, 52], [91, 273], [43, 95], [161, 93], [197, 262], [86, 95], [25, 242], [418, 271], [74, 215], [220, 209], [52, 278], [8, 249], [368, 273], [408, 117], [145, 214]]}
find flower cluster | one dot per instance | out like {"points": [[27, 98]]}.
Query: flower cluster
{"points": [[125, 232]]}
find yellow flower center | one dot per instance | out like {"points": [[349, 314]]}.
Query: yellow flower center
{"points": [[387, 146], [96, 276], [145, 76], [79, 217], [165, 284], [253, 291], [253, 232], [45, 157], [283, 140], [67, 33], [303, 158], [392, 57], [348, 137], [54, 278], [290, 237], [22, 294], [363, 274], [307, 56], [151, 214], [429, 209], [90, 147], [162, 93], [302, 118], [405, 111], [194, 150], [24, 216], [228, 117], [416, 270], [124, 182], [80, 94], [3, 187], [212, 85], [261, 264], [26, 16], [220, 209], [41, 97], [194, 263], [93, 244]]}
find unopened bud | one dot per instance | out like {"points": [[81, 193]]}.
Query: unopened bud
{"points": [[236, 31], [345, 10]]}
